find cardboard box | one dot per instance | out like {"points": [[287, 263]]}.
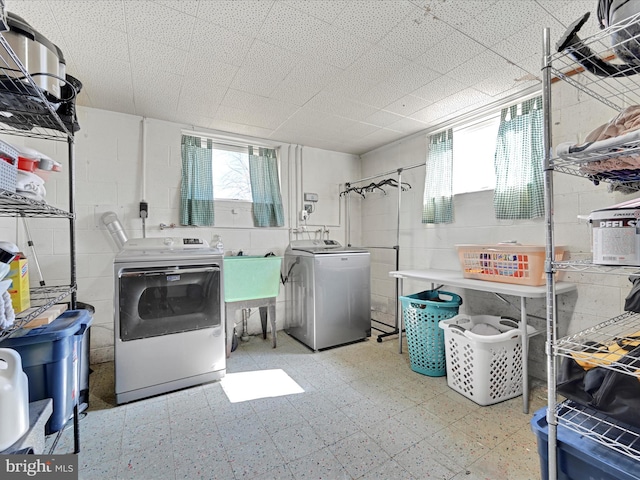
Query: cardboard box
{"points": [[19, 289]]}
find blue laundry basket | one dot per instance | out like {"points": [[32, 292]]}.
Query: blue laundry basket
{"points": [[421, 313]]}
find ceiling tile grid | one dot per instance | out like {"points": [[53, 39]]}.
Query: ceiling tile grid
{"points": [[240, 16], [339, 73], [157, 23], [370, 21]]}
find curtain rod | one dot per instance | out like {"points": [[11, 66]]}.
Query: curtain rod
{"points": [[233, 140], [397, 170]]}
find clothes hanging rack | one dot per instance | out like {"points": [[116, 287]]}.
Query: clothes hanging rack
{"points": [[401, 187]]}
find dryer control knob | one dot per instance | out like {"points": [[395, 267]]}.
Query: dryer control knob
{"points": [[168, 241]]}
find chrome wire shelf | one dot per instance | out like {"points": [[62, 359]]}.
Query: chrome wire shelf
{"points": [[12, 204], [599, 428], [25, 110], [617, 92], [586, 266], [41, 298], [600, 344]]}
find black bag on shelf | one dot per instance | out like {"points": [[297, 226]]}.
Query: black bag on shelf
{"points": [[611, 392]]}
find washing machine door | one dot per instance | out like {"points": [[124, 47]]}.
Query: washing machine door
{"points": [[156, 301]]}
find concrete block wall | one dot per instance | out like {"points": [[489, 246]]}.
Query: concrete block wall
{"points": [[109, 177], [598, 297]]}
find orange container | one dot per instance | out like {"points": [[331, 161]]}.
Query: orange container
{"points": [[505, 263]]}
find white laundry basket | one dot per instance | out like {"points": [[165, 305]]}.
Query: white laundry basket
{"points": [[484, 368]]}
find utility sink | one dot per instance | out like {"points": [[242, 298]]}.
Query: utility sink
{"points": [[251, 277]]}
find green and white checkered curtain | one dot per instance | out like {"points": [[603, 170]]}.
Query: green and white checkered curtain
{"points": [[265, 188], [196, 188], [519, 192], [438, 185]]}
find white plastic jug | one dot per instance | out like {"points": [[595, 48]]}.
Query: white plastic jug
{"points": [[14, 398]]}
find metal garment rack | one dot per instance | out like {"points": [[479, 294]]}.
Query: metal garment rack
{"points": [[395, 330]]}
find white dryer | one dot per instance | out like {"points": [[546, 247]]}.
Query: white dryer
{"points": [[169, 328]]}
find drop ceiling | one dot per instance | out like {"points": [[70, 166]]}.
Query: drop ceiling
{"points": [[343, 75]]}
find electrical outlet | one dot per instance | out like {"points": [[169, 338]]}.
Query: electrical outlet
{"points": [[308, 208]]}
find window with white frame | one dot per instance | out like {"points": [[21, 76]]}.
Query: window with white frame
{"points": [[231, 178], [474, 148]]}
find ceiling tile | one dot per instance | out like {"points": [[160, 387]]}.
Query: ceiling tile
{"points": [[197, 99], [416, 34], [276, 62], [383, 118], [381, 16], [383, 136], [479, 67], [408, 126], [438, 89], [294, 30], [377, 64], [450, 12], [219, 44], [207, 71], [304, 81], [411, 77], [503, 19], [447, 54], [90, 43], [168, 26], [325, 10], [165, 87], [237, 15], [361, 129], [158, 56], [506, 80], [377, 95], [407, 105], [337, 105], [184, 6], [106, 13]]}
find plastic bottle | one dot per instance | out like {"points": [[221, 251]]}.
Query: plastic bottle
{"points": [[218, 241], [14, 398]]}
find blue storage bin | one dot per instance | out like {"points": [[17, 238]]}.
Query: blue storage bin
{"points": [[421, 313], [579, 457], [51, 359]]}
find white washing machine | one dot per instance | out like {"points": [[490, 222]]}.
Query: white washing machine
{"points": [[169, 328], [327, 293]]}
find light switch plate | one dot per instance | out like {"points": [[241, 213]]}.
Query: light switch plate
{"points": [[310, 197]]}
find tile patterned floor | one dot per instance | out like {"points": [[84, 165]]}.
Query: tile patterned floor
{"points": [[364, 415]]}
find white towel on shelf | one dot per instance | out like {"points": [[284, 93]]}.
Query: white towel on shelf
{"points": [[30, 185], [4, 323], [9, 313]]}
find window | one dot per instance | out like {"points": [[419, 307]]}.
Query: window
{"points": [[474, 150], [231, 179], [215, 171]]}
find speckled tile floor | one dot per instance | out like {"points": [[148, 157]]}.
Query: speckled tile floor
{"points": [[364, 414]]}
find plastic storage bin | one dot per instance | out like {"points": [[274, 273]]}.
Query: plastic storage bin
{"points": [[421, 313], [505, 263], [579, 457], [484, 368], [51, 357]]}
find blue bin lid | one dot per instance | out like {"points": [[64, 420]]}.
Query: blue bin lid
{"points": [[69, 323]]}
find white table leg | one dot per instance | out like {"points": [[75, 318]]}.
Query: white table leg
{"points": [[399, 314], [525, 355]]}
